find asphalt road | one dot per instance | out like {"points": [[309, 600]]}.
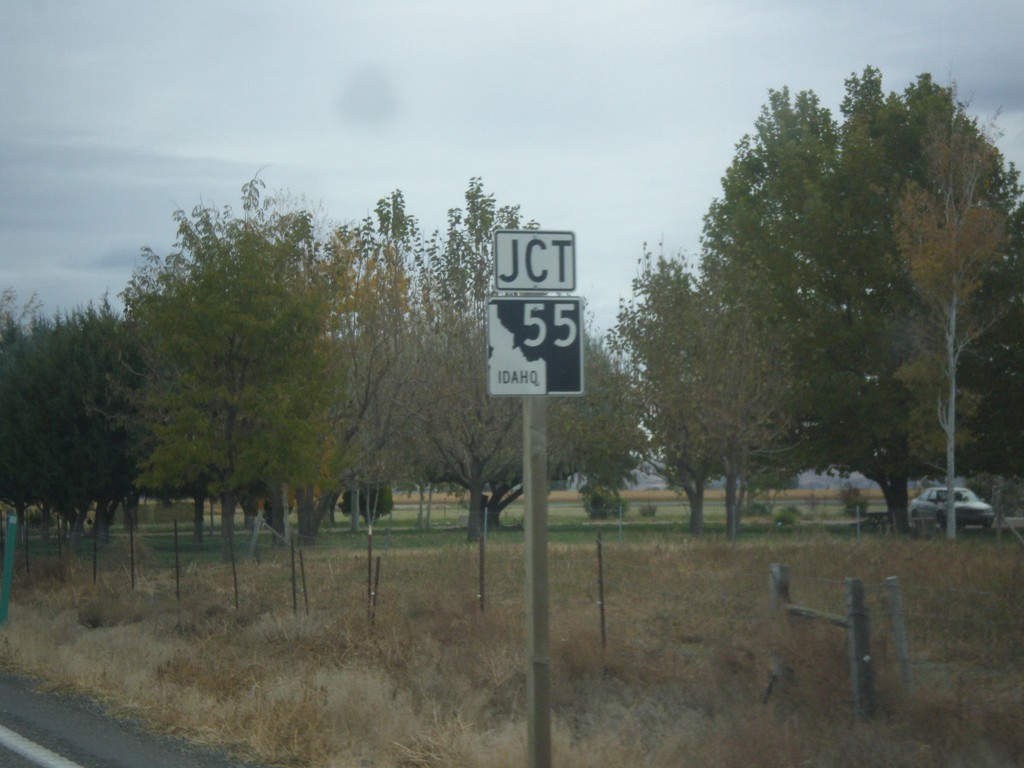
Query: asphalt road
{"points": [[77, 730]]}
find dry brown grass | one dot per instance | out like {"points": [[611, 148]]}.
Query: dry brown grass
{"points": [[434, 683]]}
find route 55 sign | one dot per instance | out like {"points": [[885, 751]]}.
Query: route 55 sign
{"points": [[535, 346]]}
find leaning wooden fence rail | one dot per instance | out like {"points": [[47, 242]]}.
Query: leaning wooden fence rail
{"points": [[857, 624]]}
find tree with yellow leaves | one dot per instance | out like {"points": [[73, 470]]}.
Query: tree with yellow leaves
{"points": [[951, 232]]}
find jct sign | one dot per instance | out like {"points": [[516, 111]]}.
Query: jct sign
{"points": [[534, 260], [535, 346]]}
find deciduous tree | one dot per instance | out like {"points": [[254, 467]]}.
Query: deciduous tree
{"points": [[234, 322], [653, 333], [373, 421], [21, 443], [951, 230], [68, 441], [713, 378], [804, 231], [475, 438], [597, 437], [993, 367]]}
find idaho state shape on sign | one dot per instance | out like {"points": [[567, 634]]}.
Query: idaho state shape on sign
{"points": [[535, 346]]}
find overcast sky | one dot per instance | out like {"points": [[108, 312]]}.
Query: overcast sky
{"points": [[615, 119]]}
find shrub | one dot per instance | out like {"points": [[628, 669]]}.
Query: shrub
{"points": [[648, 510], [786, 516], [850, 497], [758, 509], [376, 500], [110, 610], [601, 502]]}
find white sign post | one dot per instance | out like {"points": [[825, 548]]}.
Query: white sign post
{"points": [[535, 350], [535, 533]]}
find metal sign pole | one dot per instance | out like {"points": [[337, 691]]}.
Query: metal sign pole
{"points": [[538, 670], [535, 349]]}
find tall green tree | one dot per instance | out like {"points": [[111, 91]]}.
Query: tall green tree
{"points": [[234, 322], [653, 332], [713, 379], [17, 483], [993, 370], [98, 440], [804, 230], [68, 441], [21, 442]]}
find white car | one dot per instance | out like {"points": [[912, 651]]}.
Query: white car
{"points": [[970, 510]]}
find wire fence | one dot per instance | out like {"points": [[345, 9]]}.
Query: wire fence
{"points": [[634, 598]]}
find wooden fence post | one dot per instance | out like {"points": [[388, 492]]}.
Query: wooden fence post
{"points": [[481, 587], [234, 568], [177, 565], [376, 588], [778, 584], [859, 636], [899, 630], [600, 588], [131, 540], [302, 570], [295, 588], [369, 571]]}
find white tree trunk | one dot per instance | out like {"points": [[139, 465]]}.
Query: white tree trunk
{"points": [[949, 421]]}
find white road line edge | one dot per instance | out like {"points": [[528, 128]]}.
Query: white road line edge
{"points": [[32, 751]]}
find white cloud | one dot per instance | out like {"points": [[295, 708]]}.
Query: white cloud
{"points": [[615, 119]]}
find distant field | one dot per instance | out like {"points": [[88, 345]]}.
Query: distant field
{"points": [[665, 495], [565, 509]]}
